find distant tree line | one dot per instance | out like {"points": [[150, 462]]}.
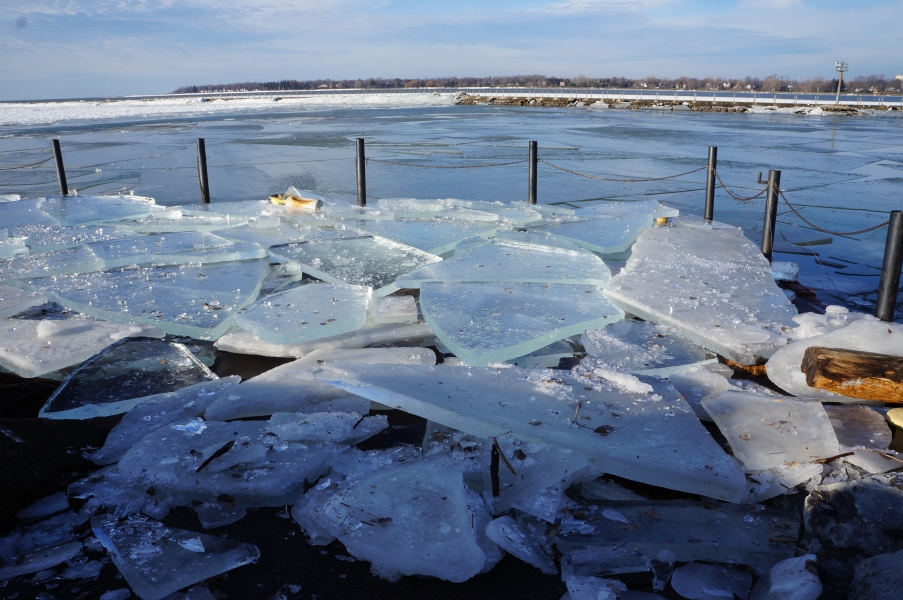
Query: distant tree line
{"points": [[869, 84]]}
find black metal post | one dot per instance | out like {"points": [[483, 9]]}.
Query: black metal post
{"points": [[710, 184], [202, 171], [60, 170], [890, 269], [361, 163], [531, 193], [771, 213]]}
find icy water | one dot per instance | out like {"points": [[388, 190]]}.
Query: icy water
{"points": [[843, 173]]}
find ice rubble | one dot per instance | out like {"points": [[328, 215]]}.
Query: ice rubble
{"points": [[709, 284]]}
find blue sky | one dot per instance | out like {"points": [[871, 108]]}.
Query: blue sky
{"points": [[79, 48]]}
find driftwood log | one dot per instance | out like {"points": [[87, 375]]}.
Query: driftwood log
{"points": [[863, 375]]}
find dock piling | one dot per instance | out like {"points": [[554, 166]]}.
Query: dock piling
{"points": [[710, 184], [531, 190], [361, 164], [202, 171], [60, 170], [890, 269], [771, 212]]}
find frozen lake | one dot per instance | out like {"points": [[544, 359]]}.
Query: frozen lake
{"points": [[843, 173]]}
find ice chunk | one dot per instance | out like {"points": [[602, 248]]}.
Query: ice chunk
{"points": [[632, 346], [511, 537], [174, 219], [712, 286], [767, 432], [50, 238], [219, 513], [159, 411], [653, 438], [13, 300], [621, 208], [349, 428], [699, 581], [780, 480], [502, 260], [292, 387], [194, 300], [699, 384], [93, 210], [361, 260], [89, 569], [784, 271], [532, 236], [790, 579], [548, 356], [11, 246], [436, 236], [34, 348], [605, 235], [44, 507], [122, 376], [859, 427], [866, 334], [878, 578], [24, 213], [157, 560], [40, 560], [393, 309], [268, 234], [80, 259], [602, 489], [306, 313], [594, 588], [174, 248], [813, 324], [484, 323]]}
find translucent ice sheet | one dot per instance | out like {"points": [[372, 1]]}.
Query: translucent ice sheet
{"points": [[502, 260], [268, 234], [625, 208], [174, 248], [393, 309], [194, 300], [24, 213], [93, 210], [605, 235], [711, 285], [122, 376], [181, 220], [533, 236], [11, 246], [80, 259], [58, 237], [483, 323], [13, 300], [436, 236]]}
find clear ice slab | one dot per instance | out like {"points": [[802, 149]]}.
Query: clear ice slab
{"points": [[174, 248], [94, 210], [711, 285], [122, 376], [51, 238], [393, 309], [306, 313], [642, 348], [13, 300], [484, 323], [503, 261], [605, 235], [436, 236], [25, 213], [768, 432], [157, 560], [652, 437], [626, 208], [198, 301]]}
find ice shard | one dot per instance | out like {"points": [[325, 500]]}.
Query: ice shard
{"points": [[483, 323], [13, 300], [711, 285], [605, 235], [122, 376], [698, 384], [652, 437], [511, 537], [339, 427], [157, 560]]}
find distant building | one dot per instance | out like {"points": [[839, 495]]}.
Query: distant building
{"points": [[899, 77]]}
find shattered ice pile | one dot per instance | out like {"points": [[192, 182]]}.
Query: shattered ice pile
{"points": [[711, 285], [157, 560]]}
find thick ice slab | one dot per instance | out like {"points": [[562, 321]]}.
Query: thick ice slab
{"points": [[605, 235], [194, 300], [650, 437], [436, 236], [781, 480], [765, 433], [24, 213], [269, 232], [641, 347], [13, 301], [502, 260], [867, 334], [50, 238], [122, 376], [511, 537], [483, 323], [174, 248], [175, 219], [306, 313], [93, 210], [41, 559], [34, 348], [356, 260], [292, 387], [698, 384], [790, 579], [11, 246], [160, 411], [547, 357], [80, 259], [710, 285], [625, 208], [393, 309], [157, 560], [532, 236]]}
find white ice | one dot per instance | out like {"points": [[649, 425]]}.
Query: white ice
{"points": [[700, 581], [791, 579]]}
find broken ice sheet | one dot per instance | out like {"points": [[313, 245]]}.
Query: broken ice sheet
{"points": [[32, 348], [174, 248], [780, 480], [175, 219], [50, 238], [24, 213], [547, 357], [502, 260], [93, 210], [436, 236], [193, 300], [644, 348], [712, 286], [348, 428], [484, 323], [11, 246], [13, 301], [122, 376], [624, 208], [649, 437], [698, 384], [40, 560], [157, 560], [159, 411], [80, 259], [292, 387], [511, 537], [218, 513], [355, 260], [268, 234], [605, 235], [306, 313], [532, 236], [864, 432], [767, 432], [393, 309]]}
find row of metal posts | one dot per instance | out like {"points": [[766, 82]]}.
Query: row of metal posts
{"points": [[893, 249]]}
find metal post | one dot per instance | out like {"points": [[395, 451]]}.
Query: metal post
{"points": [[771, 213], [60, 170], [531, 191], [890, 269], [361, 163], [202, 171], [710, 184]]}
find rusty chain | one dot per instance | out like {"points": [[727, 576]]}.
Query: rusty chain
{"points": [[618, 180]]}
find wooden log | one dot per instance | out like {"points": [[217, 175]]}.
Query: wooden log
{"points": [[853, 373]]}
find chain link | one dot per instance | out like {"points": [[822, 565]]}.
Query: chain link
{"points": [[618, 180], [733, 195], [26, 166], [817, 228], [403, 164]]}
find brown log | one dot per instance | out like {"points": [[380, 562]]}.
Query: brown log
{"points": [[853, 373]]}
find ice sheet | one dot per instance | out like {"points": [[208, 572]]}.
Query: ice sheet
{"points": [[174, 248], [605, 235], [436, 236], [483, 323], [80, 259], [59, 237], [174, 219], [533, 236], [699, 581], [393, 309], [24, 213], [625, 208], [94, 210], [11, 246], [13, 300]]}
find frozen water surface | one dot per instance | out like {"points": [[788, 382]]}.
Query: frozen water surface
{"points": [[174, 248], [57, 237]]}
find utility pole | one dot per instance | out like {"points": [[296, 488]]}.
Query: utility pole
{"points": [[840, 67]]}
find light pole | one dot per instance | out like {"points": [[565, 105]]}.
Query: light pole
{"points": [[840, 67]]}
